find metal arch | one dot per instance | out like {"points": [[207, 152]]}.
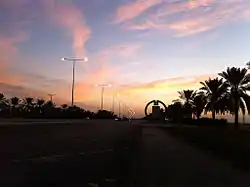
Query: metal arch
{"points": [[154, 101]]}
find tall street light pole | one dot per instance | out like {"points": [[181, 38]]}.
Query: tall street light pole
{"points": [[113, 104], [51, 97], [74, 60], [103, 86], [119, 105]]}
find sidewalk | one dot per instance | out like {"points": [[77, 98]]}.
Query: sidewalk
{"points": [[166, 161]]}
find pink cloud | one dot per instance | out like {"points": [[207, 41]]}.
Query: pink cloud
{"points": [[133, 9], [8, 44], [61, 13], [194, 16], [70, 17]]}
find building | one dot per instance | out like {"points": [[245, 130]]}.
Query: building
{"points": [[156, 112]]}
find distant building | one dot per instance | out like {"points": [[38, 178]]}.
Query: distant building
{"points": [[156, 112]]}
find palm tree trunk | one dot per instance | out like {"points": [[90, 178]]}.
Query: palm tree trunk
{"points": [[236, 113], [198, 115], [213, 114], [236, 119]]}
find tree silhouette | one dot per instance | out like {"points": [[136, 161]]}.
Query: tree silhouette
{"points": [[14, 105], [188, 97], [199, 103], [238, 81], [215, 91], [65, 106], [40, 106], [28, 104], [175, 111], [2, 100], [248, 65]]}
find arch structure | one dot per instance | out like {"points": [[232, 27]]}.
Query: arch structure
{"points": [[155, 103]]}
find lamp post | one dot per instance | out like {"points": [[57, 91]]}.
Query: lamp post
{"points": [[103, 86], [74, 60], [113, 104], [119, 105], [51, 97]]}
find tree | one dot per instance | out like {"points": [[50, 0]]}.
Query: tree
{"points": [[215, 91], [64, 106], [188, 97], [3, 104], [14, 104], [239, 83], [248, 65], [14, 101], [2, 101], [199, 103], [175, 111], [40, 105], [28, 103]]}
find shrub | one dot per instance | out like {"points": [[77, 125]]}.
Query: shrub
{"points": [[206, 122]]}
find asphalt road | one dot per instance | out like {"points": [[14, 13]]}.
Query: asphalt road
{"points": [[78, 153]]}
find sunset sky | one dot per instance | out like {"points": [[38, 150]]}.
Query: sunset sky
{"points": [[147, 49]]}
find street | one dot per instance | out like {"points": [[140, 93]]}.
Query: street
{"points": [[106, 153], [68, 154]]}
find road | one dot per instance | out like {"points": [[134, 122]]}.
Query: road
{"points": [[167, 161], [68, 154], [106, 153]]}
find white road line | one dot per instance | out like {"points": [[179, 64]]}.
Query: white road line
{"points": [[58, 157], [93, 184], [110, 180]]}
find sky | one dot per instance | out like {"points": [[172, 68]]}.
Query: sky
{"points": [[147, 49]]}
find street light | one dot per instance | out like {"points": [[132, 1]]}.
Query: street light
{"points": [[74, 60], [103, 86], [119, 105], [51, 97]]}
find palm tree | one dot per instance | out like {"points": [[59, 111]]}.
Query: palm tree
{"points": [[28, 103], [14, 101], [187, 96], [248, 65], [215, 91], [3, 104], [40, 104], [2, 101], [199, 103], [2, 97], [239, 83], [14, 104]]}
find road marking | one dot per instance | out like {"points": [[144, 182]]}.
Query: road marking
{"points": [[110, 180], [93, 184], [58, 157]]}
